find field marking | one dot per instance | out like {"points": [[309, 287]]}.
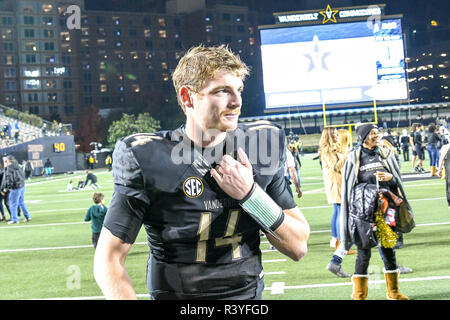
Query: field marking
{"points": [[283, 287], [274, 272], [274, 260], [43, 225], [277, 288], [338, 284], [56, 248]]}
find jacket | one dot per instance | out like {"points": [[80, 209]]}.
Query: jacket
{"points": [[96, 214], [13, 177], [362, 215], [349, 179]]}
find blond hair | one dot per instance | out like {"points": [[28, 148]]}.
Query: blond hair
{"points": [[326, 143], [343, 140], [200, 64]]}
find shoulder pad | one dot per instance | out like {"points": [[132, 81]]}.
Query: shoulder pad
{"points": [[259, 125], [138, 139], [126, 170]]}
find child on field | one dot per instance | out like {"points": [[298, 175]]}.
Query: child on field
{"points": [[70, 186], [96, 213]]}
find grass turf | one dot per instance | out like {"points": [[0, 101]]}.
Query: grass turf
{"points": [[51, 256]]}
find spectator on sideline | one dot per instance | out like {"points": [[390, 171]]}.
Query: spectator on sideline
{"points": [[91, 161], [14, 181], [404, 143], [48, 169], [290, 173], [411, 142], [28, 169], [368, 164], [419, 148], [5, 193], [332, 162], [434, 141], [90, 179], [332, 159], [108, 162], [96, 213]]}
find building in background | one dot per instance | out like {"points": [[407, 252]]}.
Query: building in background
{"points": [[122, 56], [38, 59]]}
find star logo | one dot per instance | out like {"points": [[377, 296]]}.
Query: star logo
{"points": [[329, 15], [317, 57]]}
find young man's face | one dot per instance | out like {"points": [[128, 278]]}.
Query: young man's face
{"points": [[218, 104]]}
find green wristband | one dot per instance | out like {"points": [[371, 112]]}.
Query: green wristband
{"points": [[260, 206]]}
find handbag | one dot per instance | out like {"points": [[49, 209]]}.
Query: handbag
{"points": [[361, 216], [405, 219]]}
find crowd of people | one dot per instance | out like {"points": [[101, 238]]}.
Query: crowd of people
{"points": [[364, 185], [10, 132], [420, 141]]}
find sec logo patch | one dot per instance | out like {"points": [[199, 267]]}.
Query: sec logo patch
{"points": [[193, 187]]}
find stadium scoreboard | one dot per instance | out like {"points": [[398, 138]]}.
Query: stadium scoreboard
{"points": [[59, 147], [338, 57]]}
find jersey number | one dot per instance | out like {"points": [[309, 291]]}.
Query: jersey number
{"points": [[229, 238]]}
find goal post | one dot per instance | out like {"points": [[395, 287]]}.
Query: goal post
{"points": [[347, 125]]}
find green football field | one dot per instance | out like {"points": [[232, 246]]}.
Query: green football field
{"points": [[51, 257]]}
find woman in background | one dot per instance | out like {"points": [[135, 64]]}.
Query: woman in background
{"points": [[334, 146], [332, 163], [434, 141]]}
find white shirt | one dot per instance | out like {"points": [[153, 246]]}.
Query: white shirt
{"points": [[290, 162]]}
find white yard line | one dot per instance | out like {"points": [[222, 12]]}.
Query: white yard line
{"points": [[339, 284], [56, 248]]}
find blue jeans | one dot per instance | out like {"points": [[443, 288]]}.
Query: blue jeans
{"points": [[16, 199], [335, 221], [2, 210], [433, 151]]}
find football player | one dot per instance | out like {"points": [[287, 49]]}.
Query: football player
{"points": [[203, 192]]}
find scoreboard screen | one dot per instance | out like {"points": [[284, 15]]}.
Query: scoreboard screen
{"points": [[333, 64]]}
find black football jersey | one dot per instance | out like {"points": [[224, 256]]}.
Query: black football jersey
{"points": [[194, 229]]}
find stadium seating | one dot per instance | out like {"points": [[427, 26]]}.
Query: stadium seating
{"points": [[27, 132]]}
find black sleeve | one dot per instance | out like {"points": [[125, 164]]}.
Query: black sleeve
{"points": [[124, 217], [130, 201], [127, 173]]}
